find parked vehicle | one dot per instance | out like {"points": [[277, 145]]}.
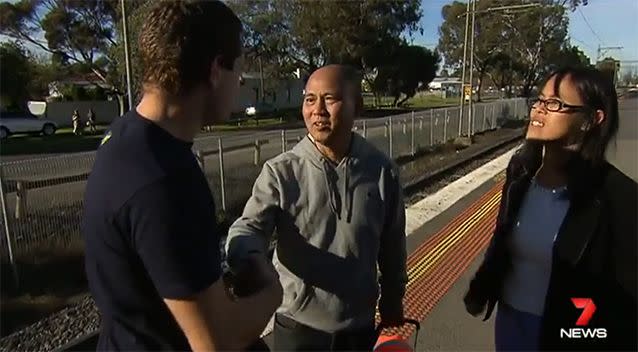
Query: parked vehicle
{"points": [[25, 122], [260, 110]]}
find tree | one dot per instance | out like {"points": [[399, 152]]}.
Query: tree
{"points": [[503, 72], [526, 40], [412, 67], [290, 34], [75, 31], [81, 36], [488, 37], [610, 67], [569, 55], [535, 39], [15, 74], [45, 71]]}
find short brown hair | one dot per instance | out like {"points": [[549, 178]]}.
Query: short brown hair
{"points": [[180, 39]]}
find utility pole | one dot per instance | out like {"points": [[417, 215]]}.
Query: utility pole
{"points": [[261, 80], [467, 24], [127, 56], [470, 102], [602, 50]]}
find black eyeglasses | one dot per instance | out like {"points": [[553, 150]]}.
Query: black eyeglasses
{"points": [[553, 105]]}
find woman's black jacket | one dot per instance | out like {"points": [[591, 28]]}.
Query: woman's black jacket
{"points": [[594, 256]]}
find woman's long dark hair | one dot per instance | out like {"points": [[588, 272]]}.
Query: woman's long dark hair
{"points": [[597, 92]]}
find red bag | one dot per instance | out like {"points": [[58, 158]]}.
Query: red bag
{"points": [[396, 343]]}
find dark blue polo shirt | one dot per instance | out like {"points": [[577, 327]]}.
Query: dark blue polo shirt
{"points": [[150, 233]]}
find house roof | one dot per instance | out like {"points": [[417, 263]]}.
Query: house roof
{"points": [[446, 80]]}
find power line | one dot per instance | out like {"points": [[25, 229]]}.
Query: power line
{"points": [[589, 25], [582, 42]]}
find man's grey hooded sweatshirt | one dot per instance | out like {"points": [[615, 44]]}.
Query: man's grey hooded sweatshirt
{"points": [[334, 223]]}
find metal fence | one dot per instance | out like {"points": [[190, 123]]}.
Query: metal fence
{"points": [[42, 198]]}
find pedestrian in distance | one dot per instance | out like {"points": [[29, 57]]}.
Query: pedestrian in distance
{"points": [[91, 121], [336, 204], [77, 123], [153, 249], [562, 262]]}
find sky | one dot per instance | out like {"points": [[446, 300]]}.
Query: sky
{"points": [[605, 23], [608, 23]]}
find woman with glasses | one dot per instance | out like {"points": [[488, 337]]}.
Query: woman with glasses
{"points": [[562, 262]]}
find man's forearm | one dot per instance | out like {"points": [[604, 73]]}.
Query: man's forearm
{"points": [[252, 314], [392, 294]]}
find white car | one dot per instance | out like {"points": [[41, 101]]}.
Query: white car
{"points": [[260, 110], [24, 122]]}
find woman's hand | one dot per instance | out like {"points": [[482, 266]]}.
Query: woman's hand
{"points": [[473, 306]]}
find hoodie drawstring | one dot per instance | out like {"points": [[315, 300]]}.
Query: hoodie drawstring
{"points": [[331, 191], [346, 190]]}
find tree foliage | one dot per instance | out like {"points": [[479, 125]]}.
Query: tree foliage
{"points": [[310, 34], [610, 67], [74, 31], [367, 34], [511, 44], [488, 37], [413, 67], [86, 37], [15, 73]]}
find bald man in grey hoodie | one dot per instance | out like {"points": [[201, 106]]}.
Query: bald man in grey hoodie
{"points": [[337, 207]]}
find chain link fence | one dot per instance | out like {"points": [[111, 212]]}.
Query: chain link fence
{"points": [[42, 198]]}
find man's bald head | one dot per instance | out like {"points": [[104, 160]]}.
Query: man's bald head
{"points": [[332, 101], [347, 75]]}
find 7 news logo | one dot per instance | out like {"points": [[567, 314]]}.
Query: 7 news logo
{"points": [[581, 331]]}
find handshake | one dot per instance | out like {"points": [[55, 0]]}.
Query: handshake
{"points": [[250, 276]]}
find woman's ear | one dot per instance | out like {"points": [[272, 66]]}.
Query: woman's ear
{"points": [[599, 117]]}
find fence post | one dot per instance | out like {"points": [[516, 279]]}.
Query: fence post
{"points": [[412, 149], [390, 136], [21, 200], [484, 117], [445, 127], [421, 123], [492, 121], [7, 230], [470, 118], [220, 149], [283, 141], [431, 127], [405, 127], [515, 109], [257, 158], [365, 129]]}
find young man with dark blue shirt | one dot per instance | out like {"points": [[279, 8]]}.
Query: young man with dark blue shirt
{"points": [[152, 246]]}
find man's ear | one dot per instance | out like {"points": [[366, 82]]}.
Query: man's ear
{"points": [[215, 71]]}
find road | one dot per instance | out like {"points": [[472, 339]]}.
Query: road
{"points": [[487, 114], [448, 327]]}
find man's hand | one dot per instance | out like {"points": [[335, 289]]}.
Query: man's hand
{"points": [[392, 319], [252, 275]]}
